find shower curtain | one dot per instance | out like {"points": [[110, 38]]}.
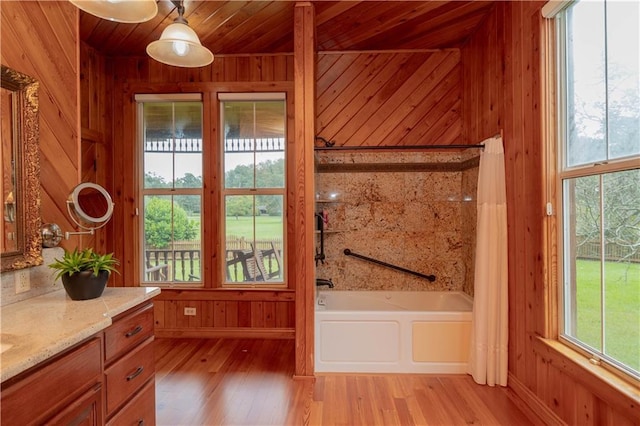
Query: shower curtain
{"points": [[489, 332]]}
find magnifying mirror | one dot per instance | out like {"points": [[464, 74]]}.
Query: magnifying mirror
{"points": [[90, 207]]}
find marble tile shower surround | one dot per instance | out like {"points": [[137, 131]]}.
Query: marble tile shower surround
{"points": [[41, 279], [423, 221]]}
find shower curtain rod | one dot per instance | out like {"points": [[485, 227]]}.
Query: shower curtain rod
{"points": [[330, 146]]}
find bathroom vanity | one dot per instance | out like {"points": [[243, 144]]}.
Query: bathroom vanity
{"points": [[79, 362]]}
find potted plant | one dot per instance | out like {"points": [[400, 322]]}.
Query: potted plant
{"points": [[84, 272]]}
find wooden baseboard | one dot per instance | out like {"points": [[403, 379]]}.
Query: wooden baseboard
{"points": [[228, 333], [297, 377], [531, 405]]}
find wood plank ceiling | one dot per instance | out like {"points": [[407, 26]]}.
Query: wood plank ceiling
{"points": [[244, 27]]}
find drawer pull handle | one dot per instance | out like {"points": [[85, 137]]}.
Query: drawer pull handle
{"points": [[141, 422], [135, 374], [133, 332]]}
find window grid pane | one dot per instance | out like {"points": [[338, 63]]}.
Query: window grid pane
{"points": [[586, 84], [253, 190], [172, 192], [601, 203]]}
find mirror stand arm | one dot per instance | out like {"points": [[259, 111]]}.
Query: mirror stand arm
{"points": [[77, 214], [68, 234]]}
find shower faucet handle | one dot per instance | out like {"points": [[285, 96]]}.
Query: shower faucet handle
{"points": [[323, 281]]}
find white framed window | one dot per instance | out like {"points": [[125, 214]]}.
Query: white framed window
{"points": [[599, 182], [171, 190], [253, 188]]}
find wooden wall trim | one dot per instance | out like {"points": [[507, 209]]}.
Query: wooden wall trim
{"points": [[533, 406], [134, 87], [549, 184], [227, 294], [458, 166], [226, 333], [304, 125], [343, 52], [249, 55]]}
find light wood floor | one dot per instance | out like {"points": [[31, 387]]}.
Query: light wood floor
{"points": [[249, 382]]}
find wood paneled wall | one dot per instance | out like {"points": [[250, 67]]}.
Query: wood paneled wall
{"points": [[96, 86], [304, 125], [503, 78], [225, 68], [219, 312], [390, 98], [40, 39], [229, 314]]}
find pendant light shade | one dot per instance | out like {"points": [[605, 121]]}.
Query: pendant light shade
{"points": [[127, 11], [179, 45]]}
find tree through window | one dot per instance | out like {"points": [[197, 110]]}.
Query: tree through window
{"points": [[599, 178], [171, 193]]}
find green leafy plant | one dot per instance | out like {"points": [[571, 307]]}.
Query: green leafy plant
{"points": [[84, 260]]}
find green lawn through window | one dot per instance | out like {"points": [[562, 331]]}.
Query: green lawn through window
{"points": [[267, 227], [622, 308]]}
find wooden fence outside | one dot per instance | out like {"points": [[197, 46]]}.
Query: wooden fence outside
{"points": [[613, 252], [182, 263]]}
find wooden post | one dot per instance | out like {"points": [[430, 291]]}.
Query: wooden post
{"points": [[304, 126]]}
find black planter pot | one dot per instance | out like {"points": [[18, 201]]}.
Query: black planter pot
{"points": [[84, 285]]}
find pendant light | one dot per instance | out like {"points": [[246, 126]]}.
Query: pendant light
{"points": [[179, 45], [127, 11]]}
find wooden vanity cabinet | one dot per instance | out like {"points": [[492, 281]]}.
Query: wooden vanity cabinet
{"points": [[107, 379], [66, 389], [129, 368]]}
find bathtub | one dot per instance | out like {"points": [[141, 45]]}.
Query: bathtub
{"points": [[392, 331]]}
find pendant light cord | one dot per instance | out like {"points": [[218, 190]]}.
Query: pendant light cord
{"points": [[180, 6]]}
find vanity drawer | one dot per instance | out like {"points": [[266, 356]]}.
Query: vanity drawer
{"points": [[127, 332], [129, 374], [141, 410], [58, 383]]}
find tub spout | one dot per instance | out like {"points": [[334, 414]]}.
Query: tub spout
{"points": [[322, 281]]}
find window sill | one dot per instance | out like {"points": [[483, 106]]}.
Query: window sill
{"points": [[604, 384]]}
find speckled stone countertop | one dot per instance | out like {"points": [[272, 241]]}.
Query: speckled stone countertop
{"points": [[38, 328]]}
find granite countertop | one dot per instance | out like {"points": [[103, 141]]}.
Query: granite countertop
{"points": [[38, 328]]}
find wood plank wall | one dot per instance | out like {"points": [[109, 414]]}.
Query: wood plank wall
{"points": [[219, 312], [304, 126], [96, 83], [390, 98], [265, 314], [502, 68], [40, 39], [225, 68]]}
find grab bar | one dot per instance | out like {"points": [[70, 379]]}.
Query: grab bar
{"points": [[348, 252]]}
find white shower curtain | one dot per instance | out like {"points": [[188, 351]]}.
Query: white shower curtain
{"points": [[489, 333]]}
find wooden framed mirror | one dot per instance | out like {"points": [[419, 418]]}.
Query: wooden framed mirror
{"points": [[21, 243]]}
